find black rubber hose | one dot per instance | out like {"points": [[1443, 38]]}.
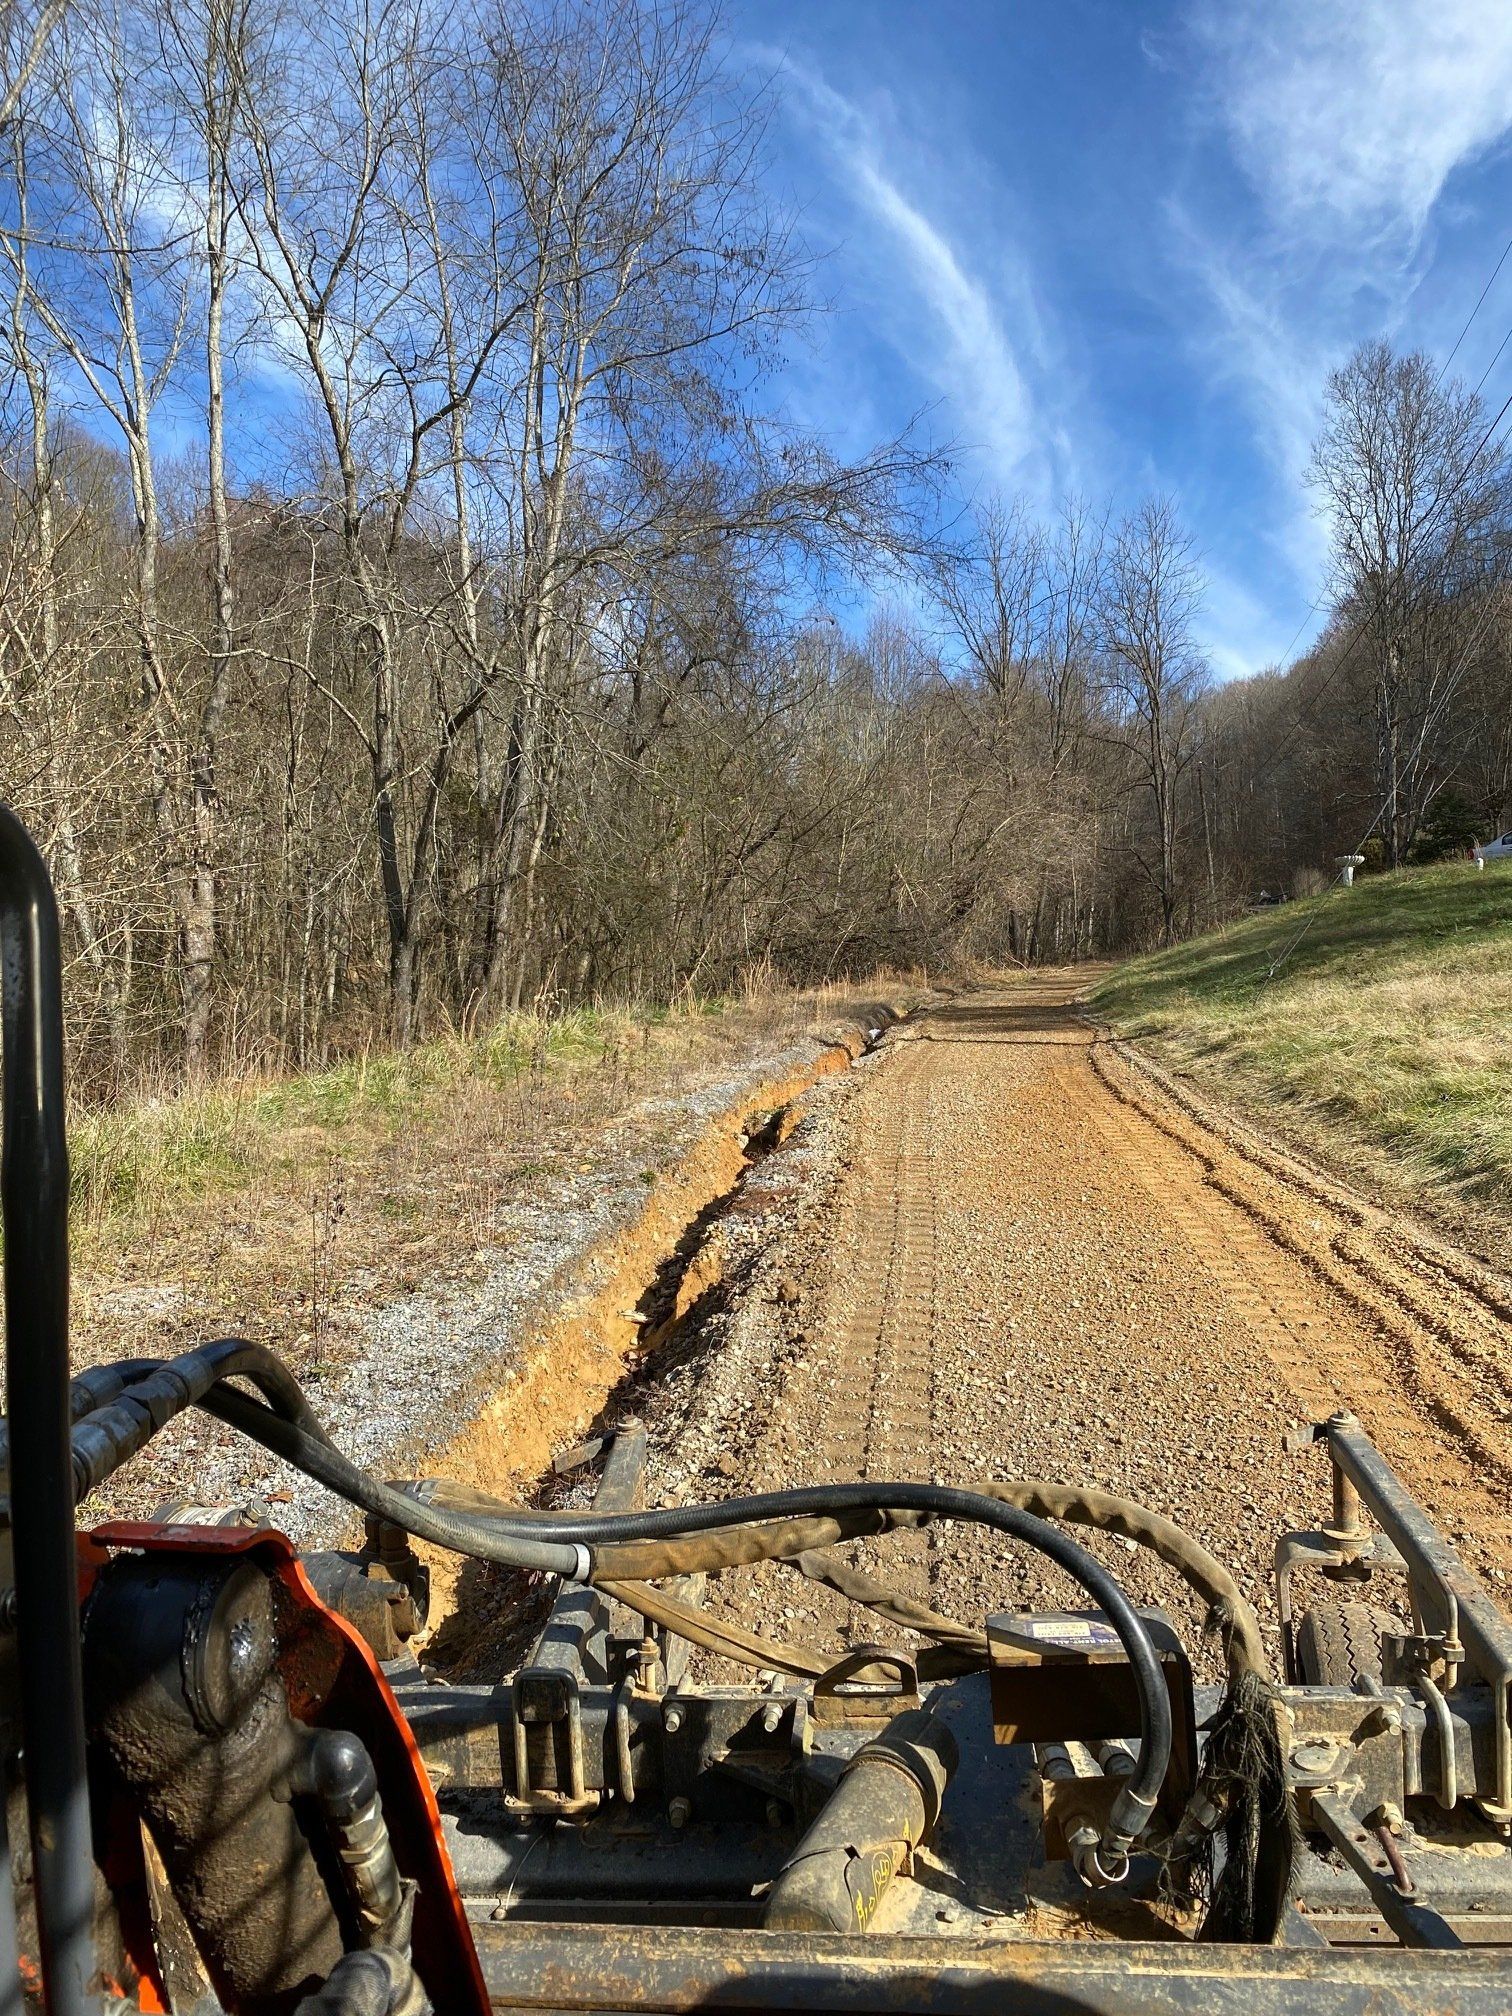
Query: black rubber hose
{"points": [[374, 1982], [1136, 1801], [337, 1772], [507, 1547], [529, 1543], [90, 1390], [551, 1542], [34, 1202], [157, 1390]]}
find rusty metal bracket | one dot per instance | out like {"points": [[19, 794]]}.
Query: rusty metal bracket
{"points": [[842, 1695], [1381, 1871], [1449, 1599]]}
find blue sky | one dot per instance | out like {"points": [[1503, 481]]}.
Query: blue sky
{"points": [[1115, 245]]}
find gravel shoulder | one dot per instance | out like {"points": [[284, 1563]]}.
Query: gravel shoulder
{"points": [[534, 1324]]}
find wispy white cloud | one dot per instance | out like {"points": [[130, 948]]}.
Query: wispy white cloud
{"points": [[1275, 361], [1349, 116], [980, 368], [1348, 120], [946, 319], [1239, 631]]}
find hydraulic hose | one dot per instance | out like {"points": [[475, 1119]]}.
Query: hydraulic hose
{"points": [[163, 1388], [805, 1542], [1233, 1618], [640, 1546], [34, 1202], [1228, 1612], [90, 1390], [107, 1436], [506, 1546], [625, 1543], [622, 1552]]}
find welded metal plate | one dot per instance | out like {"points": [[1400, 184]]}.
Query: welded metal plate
{"points": [[602, 1968]]}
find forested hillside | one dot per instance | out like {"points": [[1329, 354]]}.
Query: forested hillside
{"points": [[416, 600]]}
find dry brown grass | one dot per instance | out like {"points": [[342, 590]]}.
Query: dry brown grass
{"points": [[293, 1208]]}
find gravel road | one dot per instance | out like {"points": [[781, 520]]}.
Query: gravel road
{"points": [[1008, 1248], [1000, 1246]]}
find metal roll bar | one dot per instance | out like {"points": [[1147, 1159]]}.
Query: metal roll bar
{"points": [[34, 1207]]}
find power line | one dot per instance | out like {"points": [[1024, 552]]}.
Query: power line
{"points": [[1506, 249], [1496, 354]]}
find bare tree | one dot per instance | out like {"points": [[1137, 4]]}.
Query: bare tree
{"points": [[643, 256], [496, 666], [26, 44], [205, 47], [40, 644], [1411, 481], [1154, 675], [112, 296], [341, 209]]}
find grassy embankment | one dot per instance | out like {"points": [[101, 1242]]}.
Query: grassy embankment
{"points": [[1386, 1034], [134, 1159]]}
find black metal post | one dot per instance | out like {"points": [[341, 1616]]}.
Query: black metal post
{"points": [[34, 1202]]}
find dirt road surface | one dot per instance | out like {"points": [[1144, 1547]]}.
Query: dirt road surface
{"points": [[1035, 1257]]}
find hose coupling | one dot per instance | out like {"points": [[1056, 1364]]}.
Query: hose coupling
{"points": [[1099, 1866], [1101, 1861]]}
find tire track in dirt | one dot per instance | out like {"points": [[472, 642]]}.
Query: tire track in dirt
{"points": [[893, 1319], [1420, 1351], [863, 1403], [1045, 1261]]}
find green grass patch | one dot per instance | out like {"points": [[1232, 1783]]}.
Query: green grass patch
{"points": [[135, 1156], [1386, 1009], [122, 1159]]}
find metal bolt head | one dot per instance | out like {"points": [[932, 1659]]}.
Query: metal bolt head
{"points": [[775, 1813], [672, 1721], [1313, 1759], [679, 1811], [771, 1718], [1385, 1720]]}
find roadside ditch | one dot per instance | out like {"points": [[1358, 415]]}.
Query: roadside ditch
{"points": [[641, 1339]]}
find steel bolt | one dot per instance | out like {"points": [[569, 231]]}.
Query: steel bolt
{"points": [[672, 1721], [771, 1718], [775, 1812], [679, 1811], [1313, 1758]]}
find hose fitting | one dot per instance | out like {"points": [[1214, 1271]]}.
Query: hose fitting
{"points": [[1128, 1820], [337, 1772]]}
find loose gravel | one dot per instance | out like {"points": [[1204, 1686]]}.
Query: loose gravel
{"points": [[415, 1378], [1001, 1249], [1000, 1246]]}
